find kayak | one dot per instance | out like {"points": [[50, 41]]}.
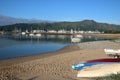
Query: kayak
{"points": [[105, 60], [81, 65]]}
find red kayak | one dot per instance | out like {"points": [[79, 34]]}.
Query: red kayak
{"points": [[105, 60], [81, 65]]}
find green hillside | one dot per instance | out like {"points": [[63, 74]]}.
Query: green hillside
{"points": [[86, 25]]}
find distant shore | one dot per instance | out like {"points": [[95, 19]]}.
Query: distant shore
{"points": [[85, 34], [92, 34], [104, 35], [54, 65]]}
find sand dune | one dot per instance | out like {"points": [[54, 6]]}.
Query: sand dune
{"points": [[55, 65]]}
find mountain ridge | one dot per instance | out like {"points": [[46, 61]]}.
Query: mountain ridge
{"points": [[84, 25], [6, 20]]}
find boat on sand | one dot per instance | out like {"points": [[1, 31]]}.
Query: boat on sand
{"points": [[81, 65], [113, 52]]}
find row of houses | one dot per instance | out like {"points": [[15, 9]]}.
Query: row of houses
{"points": [[54, 31], [82, 32], [64, 31]]}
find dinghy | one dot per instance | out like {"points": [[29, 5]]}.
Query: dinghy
{"points": [[113, 52]]}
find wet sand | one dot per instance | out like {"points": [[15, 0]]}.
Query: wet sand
{"points": [[54, 65]]}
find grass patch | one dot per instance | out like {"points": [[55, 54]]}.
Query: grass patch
{"points": [[111, 77]]}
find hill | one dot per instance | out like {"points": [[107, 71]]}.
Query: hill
{"points": [[84, 25], [6, 20]]}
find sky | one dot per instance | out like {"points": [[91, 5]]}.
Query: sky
{"points": [[63, 10]]}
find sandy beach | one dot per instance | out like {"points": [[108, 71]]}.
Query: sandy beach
{"points": [[55, 65]]}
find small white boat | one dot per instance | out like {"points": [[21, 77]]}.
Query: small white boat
{"points": [[23, 33], [75, 39], [113, 52], [1, 32], [31, 34]]}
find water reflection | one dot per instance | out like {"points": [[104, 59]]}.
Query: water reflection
{"points": [[14, 45], [52, 38], [17, 39], [95, 38]]}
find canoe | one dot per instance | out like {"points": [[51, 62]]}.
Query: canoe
{"points": [[81, 65], [105, 60]]}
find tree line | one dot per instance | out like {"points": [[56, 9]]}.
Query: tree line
{"points": [[86, 25]]}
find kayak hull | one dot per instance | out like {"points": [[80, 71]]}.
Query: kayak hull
{"points": [[95, 62]]}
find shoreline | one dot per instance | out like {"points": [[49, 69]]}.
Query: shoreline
{"points": [[21, 59], [55, 65]]}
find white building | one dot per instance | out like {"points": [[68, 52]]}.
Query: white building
{"points": [[38, 31], [93, 32], [81, 32], [52, 31], [71, 31], [61, 31]]}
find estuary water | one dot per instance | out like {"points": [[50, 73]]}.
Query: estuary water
{"points": [[23, 45]]}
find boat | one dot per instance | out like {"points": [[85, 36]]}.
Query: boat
{"points": [[113, 52], [1, 32], [31, 34], [81, 65], [75, 39], [23, 33], [105, 60]]}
